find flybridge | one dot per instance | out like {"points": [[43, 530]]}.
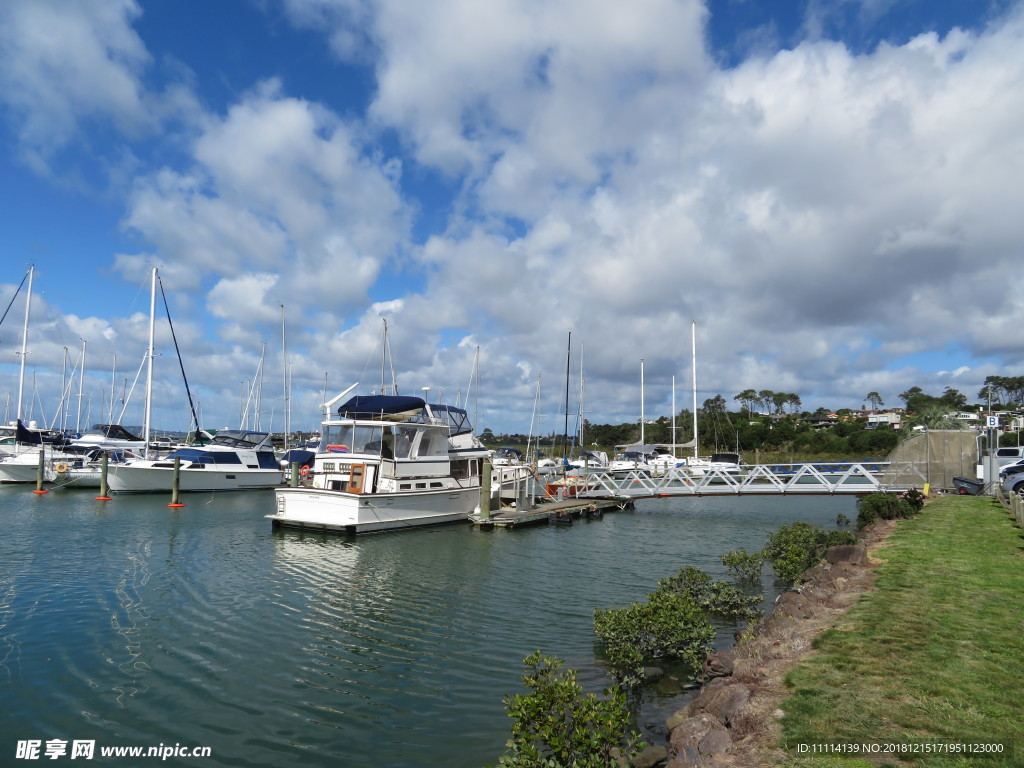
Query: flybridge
{"points": [[381, 407], [400, 408]]}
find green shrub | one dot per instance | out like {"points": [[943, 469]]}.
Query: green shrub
{"points": [[669, 625], [719, 598], [887, 506], [915, 499], [557, 726], [795, 548], [743, 565]]}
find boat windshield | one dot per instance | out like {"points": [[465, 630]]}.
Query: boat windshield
{"points": [[393, 442], [236, 439]]}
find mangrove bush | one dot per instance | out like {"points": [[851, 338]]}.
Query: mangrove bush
{"points": [[556, 725], [794, 548]]}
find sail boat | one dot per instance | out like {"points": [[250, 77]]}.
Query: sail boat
{"points": [[234, 460], [586, 461], [22, 466], [728, 463]]}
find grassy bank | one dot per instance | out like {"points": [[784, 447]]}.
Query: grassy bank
{"points": [[935, 652]]}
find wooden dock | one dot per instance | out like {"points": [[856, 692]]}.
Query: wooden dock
{"points": [[565, 511]]}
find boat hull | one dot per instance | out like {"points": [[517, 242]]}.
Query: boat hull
{"points": [[352, 513], [144, 479], [24, 467]]}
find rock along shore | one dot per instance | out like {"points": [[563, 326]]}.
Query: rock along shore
{"points": [[734, 719]]}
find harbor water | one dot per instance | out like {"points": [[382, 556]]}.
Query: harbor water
{"points": [[129, 624]]}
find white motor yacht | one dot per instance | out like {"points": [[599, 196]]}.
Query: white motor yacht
{"points": [[388, 462]]}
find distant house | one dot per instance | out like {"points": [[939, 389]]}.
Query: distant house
{"points": [[823, 422], [890, 420], [967, 416]]}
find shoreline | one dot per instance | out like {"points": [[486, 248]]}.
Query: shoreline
{"points": [[735, 717]]}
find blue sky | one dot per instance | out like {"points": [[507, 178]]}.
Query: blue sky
{"points": [[829, 189]]}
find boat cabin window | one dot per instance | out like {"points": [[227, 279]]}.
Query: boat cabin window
{"points": [[348, 438], [401, 440], [433, 443]]}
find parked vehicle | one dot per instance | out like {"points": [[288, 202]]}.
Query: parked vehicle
{"points": [[1013, 482]]}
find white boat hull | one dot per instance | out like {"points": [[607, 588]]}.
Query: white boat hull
{"points": [[79, 478], [24, 467], [24, 473], [131, 478], [353, 513]]}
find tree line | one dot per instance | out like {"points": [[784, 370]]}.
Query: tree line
{"points": [[784, 428]]}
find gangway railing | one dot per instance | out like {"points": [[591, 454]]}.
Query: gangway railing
{"points": [[811, 478]]}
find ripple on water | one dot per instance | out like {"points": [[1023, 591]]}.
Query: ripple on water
{"points": [[133, 624]]}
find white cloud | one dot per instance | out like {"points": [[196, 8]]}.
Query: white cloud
{"points": [[821, 213], [279, 185], [65, 63]]}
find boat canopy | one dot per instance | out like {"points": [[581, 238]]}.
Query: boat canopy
{"points": [[27, 436], [113, 431], [725, 458], [381, 407], [457, 418]]}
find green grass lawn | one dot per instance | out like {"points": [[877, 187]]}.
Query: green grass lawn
{"points": [[936, 652]]}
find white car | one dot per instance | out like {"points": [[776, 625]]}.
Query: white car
{"points": [[1012, 478]]}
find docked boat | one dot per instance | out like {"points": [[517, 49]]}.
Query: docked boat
{"points": [[593, 461], [109, 436], [234, 460], [717, 463], [634, 459], [509, 471], [388, 462], [8, 440], [547, 466], [22, 465], [83, 467]]}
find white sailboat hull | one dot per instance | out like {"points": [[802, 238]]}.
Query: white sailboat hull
{"points": [[24, 467], [353, 513], [139, 478]]}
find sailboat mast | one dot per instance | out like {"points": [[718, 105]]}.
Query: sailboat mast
{"points": [[565, 435], [693, 347], [673, 416], [24, 340], [63, 408], [284, 380], [113, 376], [149, 359], [81, 381], [383, 354], [641, 401], [582, 395], [533, 419]]}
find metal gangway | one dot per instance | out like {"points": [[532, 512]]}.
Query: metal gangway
{"points": [[822, 478]]}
